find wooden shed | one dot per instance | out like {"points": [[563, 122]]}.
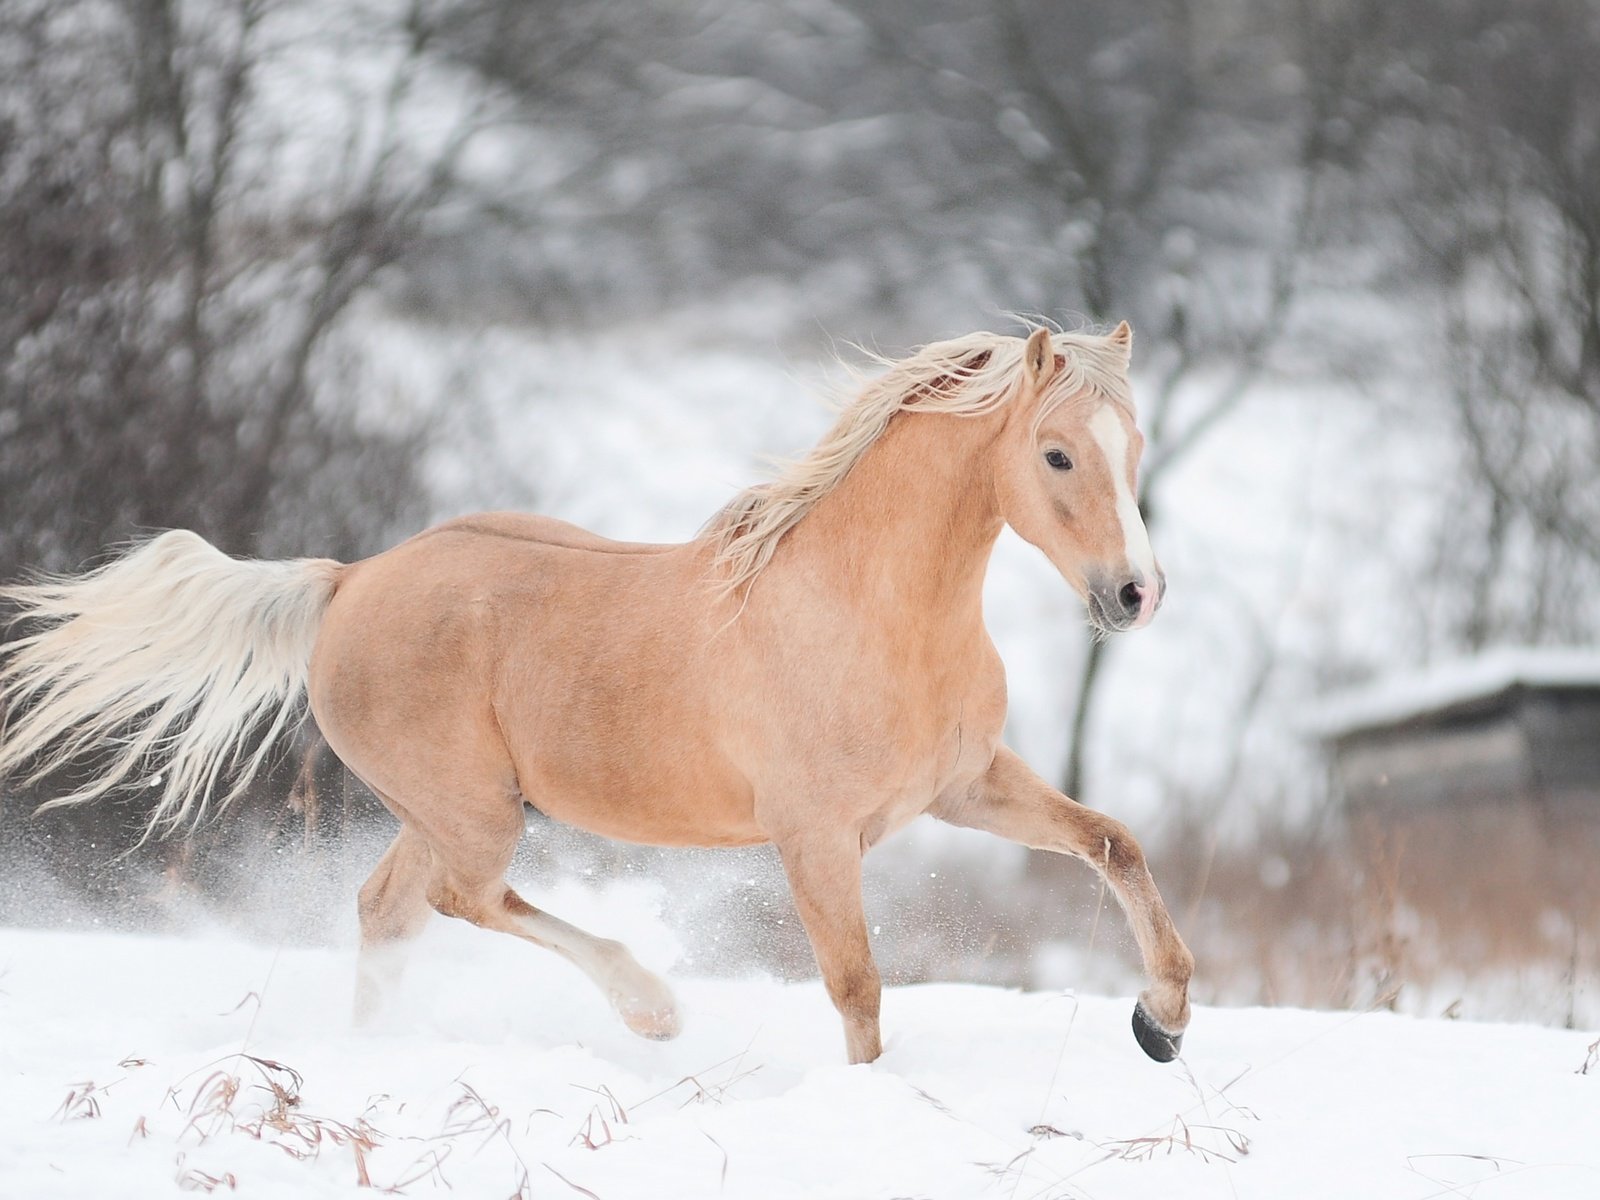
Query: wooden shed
{"points": [[1511, 727], [1472, 817]]}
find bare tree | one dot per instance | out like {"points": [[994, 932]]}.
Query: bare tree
{"points": [[1488, 161], [176, 260], [167, 295]]}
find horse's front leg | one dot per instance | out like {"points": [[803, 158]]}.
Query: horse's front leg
{"points": [[824, 871], [1010, 800]]}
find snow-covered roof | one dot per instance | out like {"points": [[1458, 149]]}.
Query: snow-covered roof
{"points": [[1399, 698]]}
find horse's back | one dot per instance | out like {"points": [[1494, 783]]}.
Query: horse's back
{"points": [[537, 530]]}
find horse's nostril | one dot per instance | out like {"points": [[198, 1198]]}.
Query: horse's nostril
{"points": [[1131, 597]]}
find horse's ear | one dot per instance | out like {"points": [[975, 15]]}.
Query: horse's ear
{"points": [[1122, 338], [1039, 359]]}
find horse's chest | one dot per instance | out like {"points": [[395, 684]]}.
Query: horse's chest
{"points": [[952, 759]]}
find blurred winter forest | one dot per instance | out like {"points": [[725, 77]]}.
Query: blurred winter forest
{"points": [[303, 276]]}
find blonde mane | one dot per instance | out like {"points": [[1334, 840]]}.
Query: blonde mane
{"points": [[966, 376]]}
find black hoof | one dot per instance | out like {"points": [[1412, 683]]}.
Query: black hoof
{"points": [[1153, 1040]]}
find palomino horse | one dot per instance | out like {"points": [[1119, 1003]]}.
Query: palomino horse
{"points": [[812, 670]]}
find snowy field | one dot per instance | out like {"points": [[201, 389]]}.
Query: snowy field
{"points": [[140, 1066]]}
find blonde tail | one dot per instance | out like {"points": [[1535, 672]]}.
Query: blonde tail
{"points": [[172, 654]]}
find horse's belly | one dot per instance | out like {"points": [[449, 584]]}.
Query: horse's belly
{"points": [[652, 811], [641, 772]]}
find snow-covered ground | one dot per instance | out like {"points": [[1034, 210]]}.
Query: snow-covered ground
{"points": [[137, 1066]]}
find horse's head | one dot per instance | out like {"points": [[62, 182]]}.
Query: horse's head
{"points": [[1065, 474]]}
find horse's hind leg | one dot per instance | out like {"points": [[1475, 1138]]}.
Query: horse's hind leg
{"points": [[393, 907], [641, 998], [467, 880]]}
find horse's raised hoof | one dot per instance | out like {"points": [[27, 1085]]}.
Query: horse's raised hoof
{"points": [[663, 1030], [1153, 1040], [653, 1015]]}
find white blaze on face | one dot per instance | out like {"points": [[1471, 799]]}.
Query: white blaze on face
{"points": [[1108, 430]]}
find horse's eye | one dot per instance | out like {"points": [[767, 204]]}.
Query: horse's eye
{"points": [[1058, 460]]}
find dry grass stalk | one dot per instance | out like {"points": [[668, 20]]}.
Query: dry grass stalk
{"points": [[1195, 1138], [1182, 1137], [279, 1123], [722, 1180], [194, 1180], [595, 1131], [1353, 913], [428, 1165], [214, 1100], [579, 1188], [618, 1113], [471, 1113], [1017, 1166], [716, 1093], [81, 1104], [703, 1093]]}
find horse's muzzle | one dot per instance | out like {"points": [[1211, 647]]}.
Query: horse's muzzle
{"points": [[1119, 604]]}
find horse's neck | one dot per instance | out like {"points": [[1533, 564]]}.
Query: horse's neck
{"points": [[912, 525]]}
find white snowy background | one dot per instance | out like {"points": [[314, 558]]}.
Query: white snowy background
{"points": [[218, 1056]]}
